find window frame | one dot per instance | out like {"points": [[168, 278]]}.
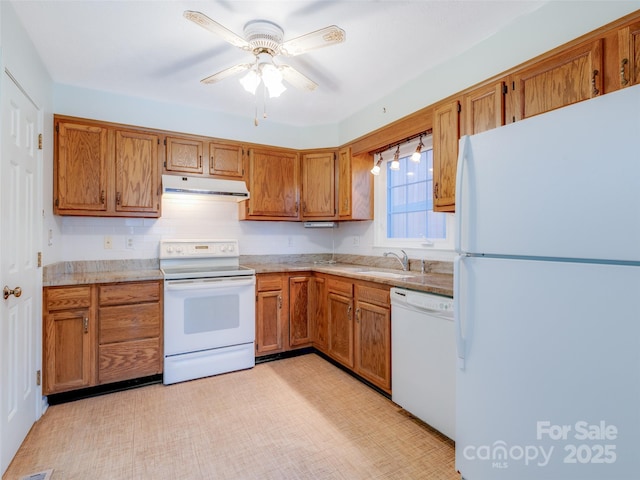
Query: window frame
{"points": [[380, 207]]}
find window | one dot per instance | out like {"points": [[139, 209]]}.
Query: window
{"points": [[404, 202]]}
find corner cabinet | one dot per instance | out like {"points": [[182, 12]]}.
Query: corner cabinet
{"points": [[446, 133], [274, 183], [100, 334], [318, 185], [103, 170]]}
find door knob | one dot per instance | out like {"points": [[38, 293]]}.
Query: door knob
{"points": [[7, 292]]}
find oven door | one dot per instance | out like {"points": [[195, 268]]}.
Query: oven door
{"points": [[203, 314]]}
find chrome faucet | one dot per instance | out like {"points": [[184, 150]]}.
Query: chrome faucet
{"points": [[404, 260]]}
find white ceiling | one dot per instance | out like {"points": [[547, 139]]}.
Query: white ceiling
{"points": [[147, 49]]}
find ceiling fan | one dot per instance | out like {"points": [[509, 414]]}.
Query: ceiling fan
{"points": [[264, 39]]}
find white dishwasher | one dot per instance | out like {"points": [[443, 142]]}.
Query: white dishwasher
{"points": [[423, 357]]}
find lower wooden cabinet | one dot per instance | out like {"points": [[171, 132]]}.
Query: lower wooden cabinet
{"points": [[373, 335], [69, 334], [129, 331], [339, 313], [282, 312], [99, 334]]}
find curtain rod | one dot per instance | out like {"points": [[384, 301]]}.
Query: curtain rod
{"points": [[406, 140]]}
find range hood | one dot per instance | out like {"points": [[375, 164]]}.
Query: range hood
{"points": [[231, 190]]}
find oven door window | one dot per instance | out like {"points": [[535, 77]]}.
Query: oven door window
{"points": [[210, 314]]}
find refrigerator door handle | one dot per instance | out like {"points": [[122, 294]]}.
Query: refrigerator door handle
{"points": [[460, 344], [462, 155]]}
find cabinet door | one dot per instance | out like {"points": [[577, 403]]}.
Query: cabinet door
{"points": [[373, 344], [80, 168], [68, 350], [183, 155], [484, 109], [340, 328], [318, 185], [318, 312], [226, 160], [629, 48], [269, 322], [446, 133], [299, 325], [274, 184], [344, 182], [570, 76], [137, 173]]}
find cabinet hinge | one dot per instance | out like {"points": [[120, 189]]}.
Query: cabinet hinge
{"points": [[165, 164], [57, 203], [158, 141], [505, 89], [57, 128], [38, 378], [513, 85], [39, 141], [165, 141], [39, 259], [459, 108]]}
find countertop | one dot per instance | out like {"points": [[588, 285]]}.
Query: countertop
{"points": [[436, 280]]}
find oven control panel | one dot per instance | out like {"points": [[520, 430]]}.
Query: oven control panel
{"points": [[198, 248]]}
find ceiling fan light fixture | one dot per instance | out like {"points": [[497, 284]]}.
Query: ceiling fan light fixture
{"points": [[250, 82], [272, 78]]}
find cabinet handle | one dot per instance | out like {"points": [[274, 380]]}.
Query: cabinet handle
{"points": [[435, 190], [349, 312], [102, 196], [593, 83], [357, 315], [304, 207], [200, 162], [117, 198], [280, 301], [623, 64], [85, 324]]}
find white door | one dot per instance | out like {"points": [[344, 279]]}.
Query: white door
{"points": [[20, 313]]}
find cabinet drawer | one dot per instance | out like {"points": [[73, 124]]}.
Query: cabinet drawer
{"points": [[338, 286], [128, 322], [270, 282], [127, 360], [67, 298], [130, 292], [377, 296]]}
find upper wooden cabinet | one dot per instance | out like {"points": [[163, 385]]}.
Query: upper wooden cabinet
{"points": [[484, 108], [80, 168], [104, 170], [318, 195], [274, 183], [570, 76], [183, 155], [355, 186], [629, 54], [137, 173], [446, 133], [226, 160]]}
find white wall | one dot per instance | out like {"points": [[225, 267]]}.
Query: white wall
{"points": [[82, 238]]}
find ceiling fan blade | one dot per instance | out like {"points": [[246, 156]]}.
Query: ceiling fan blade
{"points": [[295, 78], [318, 39], [216, 77], [214, 27]]}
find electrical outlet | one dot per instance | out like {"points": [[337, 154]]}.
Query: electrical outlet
{"points": [[129, 243], [108, 242]]}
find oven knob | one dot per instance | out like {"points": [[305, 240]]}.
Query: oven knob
{"points": [[169, 249], [230, 248], [223, 248], [179, 250]]}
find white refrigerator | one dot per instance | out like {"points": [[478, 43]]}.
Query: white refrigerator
{"points": [[547, 296]]}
